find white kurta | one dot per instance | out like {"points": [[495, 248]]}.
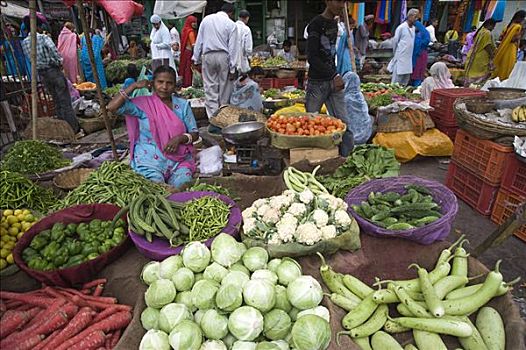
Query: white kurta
{"points": [[403, 44], [244, 35]]}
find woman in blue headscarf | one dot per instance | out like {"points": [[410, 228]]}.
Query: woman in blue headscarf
{"points": [[98, 44], [361, 123], [422, 40]]}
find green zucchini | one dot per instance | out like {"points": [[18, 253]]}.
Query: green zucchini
{"points": [[475, 342], [435, 325], [383, 341], [428, 340]]}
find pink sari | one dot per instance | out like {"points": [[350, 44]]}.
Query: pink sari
{"points": [[164, 125], [67, 47]]}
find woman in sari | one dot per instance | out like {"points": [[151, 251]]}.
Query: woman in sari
{"points": [[97, 44], [506, 54], [67, 47], [440, 79], [161, 129], [188, 37], [422, 39], [479, 59]]}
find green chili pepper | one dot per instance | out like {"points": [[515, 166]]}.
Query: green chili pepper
{"points": [[92, 256]]}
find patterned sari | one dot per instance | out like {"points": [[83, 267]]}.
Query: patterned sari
{"points": [[478, 61], [506, 55]]}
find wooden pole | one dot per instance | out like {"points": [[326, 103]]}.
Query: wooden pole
{"points": [[33, 58], [102, 103], [349, 41]]}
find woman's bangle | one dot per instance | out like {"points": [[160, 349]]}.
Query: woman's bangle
{"points": [[190, 138], [124, 94]]}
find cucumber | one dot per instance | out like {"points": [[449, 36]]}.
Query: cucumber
{"points": [[389, 196], [427, 220], [491, 328], [428, 340], [475, 342], [381, 216], [383, 341], [435, 325], [363, 343], [390, 221], [360, 314]]}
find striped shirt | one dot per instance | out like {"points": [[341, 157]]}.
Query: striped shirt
{"points": [[47, 53]]}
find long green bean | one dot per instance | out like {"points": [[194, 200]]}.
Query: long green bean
{"points": [[17, 191], [205, 217]]}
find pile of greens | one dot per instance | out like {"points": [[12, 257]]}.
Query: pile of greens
{"points": [[33, 157], [365, 163], [272, 93], [192, 92], [117, 70], [114, 90]]}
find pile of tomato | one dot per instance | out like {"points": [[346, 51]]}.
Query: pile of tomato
{"points": [[305, 125]]}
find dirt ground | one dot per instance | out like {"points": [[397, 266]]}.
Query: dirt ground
{"points": [[476, 228]]}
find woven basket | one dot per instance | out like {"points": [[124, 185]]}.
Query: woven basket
{"points": [[72, 179], [480, 106], [498, 93], [228, 115], [91, 125], [397, 122], [285, 73], [481, 128], [51, 129]]}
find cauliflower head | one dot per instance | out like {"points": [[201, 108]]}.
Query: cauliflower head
{"points": [[342, 219], [263, 209], [286, 231], [249, 213], [271, 216], [279, 202], [308, 233], [306, 196], [249, 225], [328, 232], [297, 209], [320, 217], [259, 202]]}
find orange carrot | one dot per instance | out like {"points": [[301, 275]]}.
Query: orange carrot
{"points": [[108, 300], [91, 341], [105, 313], [29, 299], [13, 320], [81, 320], [116, 321], [27, 343]]}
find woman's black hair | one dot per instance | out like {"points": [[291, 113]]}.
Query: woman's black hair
{"points": [[257, 71], [488, 22], [519, 15], [132, 70], [287, 43], [164, 69]]}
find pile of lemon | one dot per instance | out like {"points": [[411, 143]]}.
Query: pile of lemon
{"points": [[13, 225]]}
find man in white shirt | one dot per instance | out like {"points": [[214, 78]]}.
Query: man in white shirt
{"points": [[216, 50], [244, 35], [431, 29], [160, 44], [176, 43], [403, 44]]}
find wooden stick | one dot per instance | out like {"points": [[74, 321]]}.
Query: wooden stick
{"points": [[349, 41], [102, 103], [33, 58]]}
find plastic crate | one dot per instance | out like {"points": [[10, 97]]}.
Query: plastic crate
{"points": [[514, 177], [45, 106], [483, 157], [450, 131], [266, 83], [477, 193], [442, 101], [504, 207], [280, 83]]}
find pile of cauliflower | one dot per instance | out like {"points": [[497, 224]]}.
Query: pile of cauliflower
{"points": [[296, 217]]}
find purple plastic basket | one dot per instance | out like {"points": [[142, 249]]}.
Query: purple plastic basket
{"points": [[160, 249], [428, 234]]}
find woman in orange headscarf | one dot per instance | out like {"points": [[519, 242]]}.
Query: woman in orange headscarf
{"points": [[188, 38], [506, 55]]}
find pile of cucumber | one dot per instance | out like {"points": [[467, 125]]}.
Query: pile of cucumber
{"points": [[435, 303], [394, 211]]}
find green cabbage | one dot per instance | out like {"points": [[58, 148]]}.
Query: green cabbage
{"points": [[171, 315], [186, 299], [265, 275], [183, 279], [311, 332], [150, 318], [154, 340], [214, 325], [282, 300], [196, 256], [266, 345], [277, 324], [288, 271], [160, 293], [229, 297], [213, 345], [273, 265], [235, 277], [215, 272], [321, 311], [245, 323], [240, 267], [169, 266], [150, 272], [244, 345], [203, 294], [255, 258], [259, 294], [304, 293], [186, 336], [226, 250]]}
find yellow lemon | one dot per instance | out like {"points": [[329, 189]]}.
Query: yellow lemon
{"points": [[4, 252], [19, 235], [9, 246], [12, 238], [7, 212], [17, 225], [18, 212], [3, 264], [13, 231], [26, 225], [11, 219], [29, 217], [3, 231], [5, 238], [4, 224], [20, 217], [26, 212], [10, 259]]}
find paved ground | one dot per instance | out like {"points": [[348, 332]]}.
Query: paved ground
{"points": [[477, 227]]}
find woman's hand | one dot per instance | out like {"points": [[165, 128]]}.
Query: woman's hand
{"points": [[173, 144], [142, 84]]}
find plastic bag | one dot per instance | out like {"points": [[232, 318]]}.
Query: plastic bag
{"points": [[298, 108], [433, 143], [211, 160], [348, 240], [143, 91], [197, 79]]}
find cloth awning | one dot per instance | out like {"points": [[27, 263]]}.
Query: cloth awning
{"points": [[121, 11], [13, 10], [169, 9]]}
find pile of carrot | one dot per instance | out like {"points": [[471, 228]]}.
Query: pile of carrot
{"points": [[62, 319]]}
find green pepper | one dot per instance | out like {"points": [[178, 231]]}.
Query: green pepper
{"points": [[95, 224], [58, 235], [38, 242], [82, 227], [74, 248], [104, 248], [71, 229], [105, 224], [50, 250], [37, 263], [61, 256], [116, 241], [119, 230], [74, 260], [49, 266], [58, 227], [89, 249], [93, 256], [45, 234], [29, 253]]}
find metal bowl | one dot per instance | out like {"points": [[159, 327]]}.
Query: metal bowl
{"points": [[241, 133]]}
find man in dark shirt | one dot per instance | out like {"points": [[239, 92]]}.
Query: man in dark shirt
{"points": [[325, 85]]}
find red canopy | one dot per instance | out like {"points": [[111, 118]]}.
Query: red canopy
{"points": [[121, 11]]}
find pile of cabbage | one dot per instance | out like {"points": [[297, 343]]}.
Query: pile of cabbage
{"points": [[296, 217], [231, 297]]}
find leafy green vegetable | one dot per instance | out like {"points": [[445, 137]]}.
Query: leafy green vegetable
{"points": [[272, 93], [381, 100], [33, 157], [192, 92]]}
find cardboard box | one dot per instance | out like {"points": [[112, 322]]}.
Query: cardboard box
{"points": [[313, 155]]}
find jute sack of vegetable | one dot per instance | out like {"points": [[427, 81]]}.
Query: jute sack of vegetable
{"points": [[348, 240]]}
